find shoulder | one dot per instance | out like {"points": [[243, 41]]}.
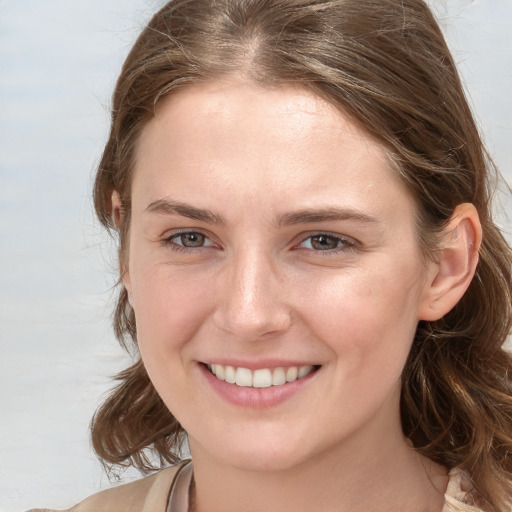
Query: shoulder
{"points": [[149, 494]]}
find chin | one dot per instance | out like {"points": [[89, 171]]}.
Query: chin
{"points": [[260, 455]]}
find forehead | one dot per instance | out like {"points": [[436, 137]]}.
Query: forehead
{"points": [[289, 139], [230, 103]]}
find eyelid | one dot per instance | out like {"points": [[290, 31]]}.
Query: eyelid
{"points": [[167, 239], [349, 243]]}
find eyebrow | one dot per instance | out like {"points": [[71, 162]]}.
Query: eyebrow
{"points": [[314, 215], [168, 207], [323, 215]]}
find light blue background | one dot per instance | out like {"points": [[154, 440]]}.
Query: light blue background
{"points": [[58, 63]]}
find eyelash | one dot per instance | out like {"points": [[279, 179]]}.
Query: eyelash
{"points": [[169, 241], [345, 243]]}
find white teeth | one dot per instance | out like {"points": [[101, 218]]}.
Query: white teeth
{"points": [[219, 371], [278, 377], [262, 378], [243, 377], [229, 373], [291, 374], [303, 371]]}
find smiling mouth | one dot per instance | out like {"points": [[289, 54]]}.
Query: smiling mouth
{"points": [[262, 378]]}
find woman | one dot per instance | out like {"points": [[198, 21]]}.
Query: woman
{"points": [[309, 266]]}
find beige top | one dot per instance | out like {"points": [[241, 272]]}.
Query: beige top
{"points": [[458, 496], [167, 491]]}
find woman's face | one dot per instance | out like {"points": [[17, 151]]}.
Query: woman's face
{"points": [[271, 244]]}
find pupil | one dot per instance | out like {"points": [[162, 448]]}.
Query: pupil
{"points": [[324, 242], [192, 240]]}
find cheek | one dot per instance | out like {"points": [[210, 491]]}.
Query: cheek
{"points": [[169, 311], [368, 324], [170, 308], [368, 318]]}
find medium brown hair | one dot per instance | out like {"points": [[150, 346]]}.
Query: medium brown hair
{"points": [[386, 64]]}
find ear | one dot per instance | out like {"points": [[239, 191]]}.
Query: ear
{"points": [[117, 218], [455, 264], [117, 209]]}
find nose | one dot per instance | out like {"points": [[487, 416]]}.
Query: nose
{"points": [[252, 301]]}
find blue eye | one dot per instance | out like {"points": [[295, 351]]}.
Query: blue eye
{"points": [[325, 242]]}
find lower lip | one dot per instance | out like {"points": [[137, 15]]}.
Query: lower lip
{"points": [[256, 398]]}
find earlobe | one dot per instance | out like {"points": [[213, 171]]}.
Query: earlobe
{"points": [[455, 264]]}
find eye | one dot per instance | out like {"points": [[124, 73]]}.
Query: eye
{"points": [[326, 242], [189, 240]]}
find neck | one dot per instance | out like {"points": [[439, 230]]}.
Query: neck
{"points": [[387, 475]]}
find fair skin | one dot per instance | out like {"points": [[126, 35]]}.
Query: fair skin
{"points": [[269, 233]]}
